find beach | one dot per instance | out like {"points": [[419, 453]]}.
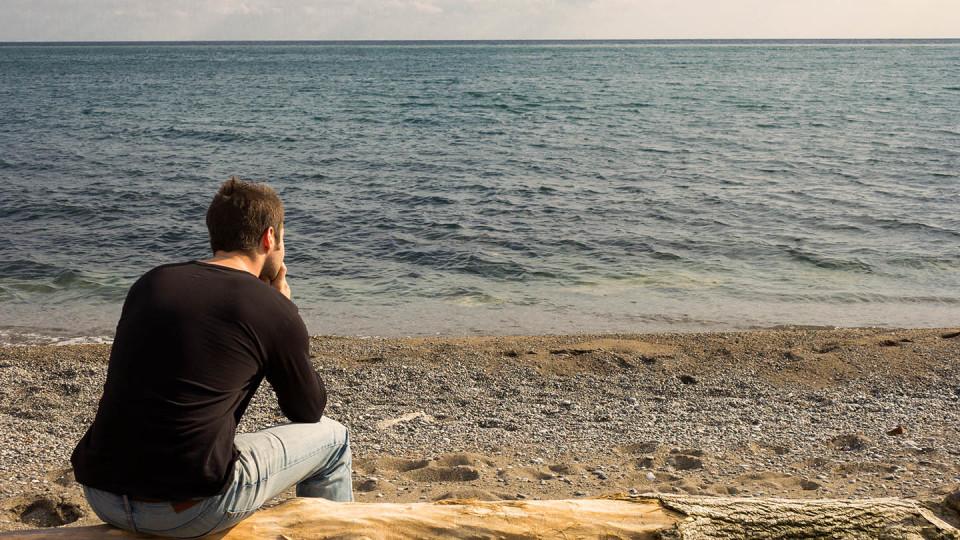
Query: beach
{"points": [[796, 412]]}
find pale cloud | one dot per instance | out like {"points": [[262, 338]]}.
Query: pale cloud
{"points": [[58, 20], [426, 7]]}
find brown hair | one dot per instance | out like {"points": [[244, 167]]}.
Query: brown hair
{"points": [[240, 213]]}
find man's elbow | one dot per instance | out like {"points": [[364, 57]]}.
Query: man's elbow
{"points": [[306, 415]]}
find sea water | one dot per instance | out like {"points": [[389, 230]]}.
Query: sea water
{"points": [[494, 188]]}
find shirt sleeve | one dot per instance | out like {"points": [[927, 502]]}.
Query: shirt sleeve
{"points": [[299, 388]]}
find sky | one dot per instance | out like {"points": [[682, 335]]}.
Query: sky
{"points": [[175, 20]]}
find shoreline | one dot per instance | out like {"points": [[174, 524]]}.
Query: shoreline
{"points": [[785, 412], [35, 339]]}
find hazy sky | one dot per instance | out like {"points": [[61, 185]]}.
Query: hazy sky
{"points": [[56, 20]]}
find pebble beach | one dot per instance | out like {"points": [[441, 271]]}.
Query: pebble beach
{"points": [[787, 412]]}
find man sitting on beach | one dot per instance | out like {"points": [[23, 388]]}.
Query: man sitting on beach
{"points": [[194, 341]]}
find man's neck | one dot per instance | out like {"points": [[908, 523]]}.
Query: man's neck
{"points": [[236, 260]]}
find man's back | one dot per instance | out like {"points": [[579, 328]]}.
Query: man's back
{"points": [[193, 343]]}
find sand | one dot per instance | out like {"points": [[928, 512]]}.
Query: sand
{"points": [[794, 412]]}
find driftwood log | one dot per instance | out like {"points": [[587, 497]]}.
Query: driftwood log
{"points": [[644, 517]]}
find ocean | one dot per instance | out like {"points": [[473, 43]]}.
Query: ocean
{"points": [[464, 188]]}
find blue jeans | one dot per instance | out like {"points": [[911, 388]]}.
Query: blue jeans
{"points": [[315, 457]]}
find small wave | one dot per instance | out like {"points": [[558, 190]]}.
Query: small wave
{"points": [[842, 227], [21, 337], [465, 263], [418, 104], [473, 299], [754, 106], [629, 105], [422, 120], [829, 263], [25, 268], [932, 262], [896, 224], [569, 243], [34, 278], [671, 280], [652, 150], [867, 297], [447, 226], [173, 132], [31, 211], [420, 200]]}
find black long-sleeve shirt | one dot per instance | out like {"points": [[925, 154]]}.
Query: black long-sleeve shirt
{"points": [[193, 343]]}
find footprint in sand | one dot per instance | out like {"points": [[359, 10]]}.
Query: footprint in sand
{"points": [[460, 467], [47, 512], [436, 473], [463, 459], [566, 469], [473, 494], [391, 465]]}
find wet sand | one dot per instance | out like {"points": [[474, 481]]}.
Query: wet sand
{"points": [[795, 412]]}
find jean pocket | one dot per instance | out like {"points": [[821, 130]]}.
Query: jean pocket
{"points": [[228, 520], [161, 519]]}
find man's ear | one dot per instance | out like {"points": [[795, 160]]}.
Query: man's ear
{"points": [[268, 240]]}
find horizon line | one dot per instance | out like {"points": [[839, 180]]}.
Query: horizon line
{"points": [[477, 40]]}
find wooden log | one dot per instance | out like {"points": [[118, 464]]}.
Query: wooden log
{"points": [[728, 518], [653, 516]]}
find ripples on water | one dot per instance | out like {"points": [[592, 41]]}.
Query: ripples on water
{"points": [[496, 188]]}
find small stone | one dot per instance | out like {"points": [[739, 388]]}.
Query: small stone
{"points": [[899, 430], [850, 442], [808, 485], [490, 422], [953, 501], [650, 476], [684, 462], [369, 484], [579, 494]]}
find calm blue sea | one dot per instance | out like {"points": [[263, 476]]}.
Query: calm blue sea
{"points": [[495, 188]]}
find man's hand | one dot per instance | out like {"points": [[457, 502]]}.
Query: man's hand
{"points": [[280, 282]]}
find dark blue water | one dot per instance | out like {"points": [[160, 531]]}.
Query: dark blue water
{"points": [[495, 187]]}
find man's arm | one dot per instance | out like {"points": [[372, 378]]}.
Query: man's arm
{"points": [[300, 390]]}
